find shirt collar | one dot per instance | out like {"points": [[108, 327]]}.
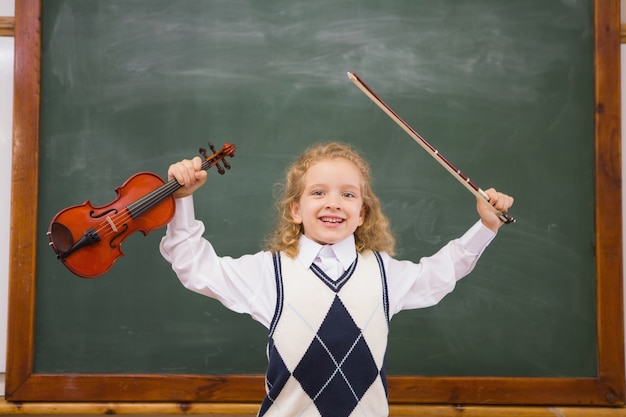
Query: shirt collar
{"points": [[345, 251]]}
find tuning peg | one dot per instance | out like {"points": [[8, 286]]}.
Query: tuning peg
{"points": [[212, 147], [220, 169], [202, 152]]}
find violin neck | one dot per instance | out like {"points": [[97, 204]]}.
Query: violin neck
{"points": [[155, 197]]}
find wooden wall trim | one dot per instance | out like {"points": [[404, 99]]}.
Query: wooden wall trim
{"points": [[250, 410], [7, 26]]}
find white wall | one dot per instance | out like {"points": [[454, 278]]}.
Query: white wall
{"points": [[6, 106], [6, 123]]}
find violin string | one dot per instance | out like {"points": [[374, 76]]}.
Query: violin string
{"points": [[145, 203], [139, 207]]}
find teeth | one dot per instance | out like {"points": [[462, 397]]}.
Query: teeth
{"points": [[331, 220]]}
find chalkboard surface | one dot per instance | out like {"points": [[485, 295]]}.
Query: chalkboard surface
{"points": [[502, 88]]}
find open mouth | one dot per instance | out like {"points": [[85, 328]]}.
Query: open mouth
{"points": [[331, 220]]}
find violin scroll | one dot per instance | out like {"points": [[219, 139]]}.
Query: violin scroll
{"points": [[217, 157]]}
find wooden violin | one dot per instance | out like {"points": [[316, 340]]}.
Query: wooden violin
{"points": [[88, 239]]}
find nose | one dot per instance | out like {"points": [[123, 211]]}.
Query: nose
{"points": [[332, 201]]}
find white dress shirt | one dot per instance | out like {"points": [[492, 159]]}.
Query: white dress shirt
{"points": [[247, 284]]}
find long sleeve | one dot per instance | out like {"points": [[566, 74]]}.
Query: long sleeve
{"points": [[244, 285], [247, 284], [417, 285]]}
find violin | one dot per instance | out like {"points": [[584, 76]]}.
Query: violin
{"points": [[88, 240]]}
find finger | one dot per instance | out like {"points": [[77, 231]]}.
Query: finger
{"points": [[502, 201], [183, 172], [197, 163], [199, 174], [498, 200], [492, 195], [508, 202], [189, 173]]}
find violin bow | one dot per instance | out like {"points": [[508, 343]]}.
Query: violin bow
{"points": [[473, 188]]}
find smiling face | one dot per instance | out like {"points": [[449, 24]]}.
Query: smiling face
{"points": [[331, 206]]}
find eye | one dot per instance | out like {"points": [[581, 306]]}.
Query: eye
{"points": [[317, 192], [349, 195]]}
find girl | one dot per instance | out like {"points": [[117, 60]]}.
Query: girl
{"points": [[327, 286]]}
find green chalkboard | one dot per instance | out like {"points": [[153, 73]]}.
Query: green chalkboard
{"points": [[505, 89], [502, 88]]}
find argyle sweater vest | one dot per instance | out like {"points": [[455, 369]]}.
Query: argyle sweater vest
{"points": [[327, 341]]}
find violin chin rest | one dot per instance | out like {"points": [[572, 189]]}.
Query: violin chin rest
{"points": [[61, 238]]}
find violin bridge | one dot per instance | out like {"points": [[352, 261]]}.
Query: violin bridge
{"points": [[108, 219]]}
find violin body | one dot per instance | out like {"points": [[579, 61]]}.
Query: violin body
{"points": [[107, 226], [88, 240]]}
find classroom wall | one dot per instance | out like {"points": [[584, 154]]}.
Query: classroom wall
{"points": [[6, 87], [6, 111]]}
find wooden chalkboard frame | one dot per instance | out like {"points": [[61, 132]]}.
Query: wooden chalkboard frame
{"points": [[22, 384]]}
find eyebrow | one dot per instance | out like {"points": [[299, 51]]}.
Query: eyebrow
{"points": [[325, 185]]}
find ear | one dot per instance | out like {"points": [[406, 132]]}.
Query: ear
{"points": [[295, 213]]}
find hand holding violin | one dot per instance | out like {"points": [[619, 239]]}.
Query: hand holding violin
{"points": [[189, 174]]}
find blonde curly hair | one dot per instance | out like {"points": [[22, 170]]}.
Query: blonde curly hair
{"points": [[374, 233]]}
